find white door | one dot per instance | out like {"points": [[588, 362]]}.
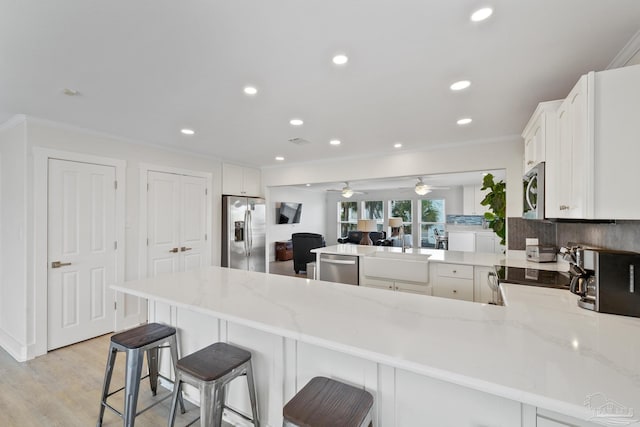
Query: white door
{"points": [[176, 233], [81, 251]]}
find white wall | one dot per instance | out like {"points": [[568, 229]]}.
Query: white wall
{"points": [[19, 292], [452, 197], [312, 219], [501, 154], [13, 252]]}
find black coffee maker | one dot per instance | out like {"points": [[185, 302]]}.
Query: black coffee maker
{"points": [[605, 280]]}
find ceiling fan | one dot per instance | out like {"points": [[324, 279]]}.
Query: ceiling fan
{"points": [[346, 191], [421, 188]]}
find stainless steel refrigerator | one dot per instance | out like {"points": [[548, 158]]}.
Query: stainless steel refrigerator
{"points": [[243, 233]]}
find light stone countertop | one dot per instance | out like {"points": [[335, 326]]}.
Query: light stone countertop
{"points": [[512, 259], [541, 349]]}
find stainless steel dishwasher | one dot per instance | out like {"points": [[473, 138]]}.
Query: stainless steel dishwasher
{"points": [[339, 268]]}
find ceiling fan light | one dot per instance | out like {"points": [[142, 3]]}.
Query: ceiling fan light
{"points": [[422, 189], [347, 193]]}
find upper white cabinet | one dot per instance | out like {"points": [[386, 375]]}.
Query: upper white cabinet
{"points": [[566, 188], [240, 181], [594, 164], [472, 195], [539, 133]]}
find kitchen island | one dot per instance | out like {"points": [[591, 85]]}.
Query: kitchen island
{"points": [[454, 363]]}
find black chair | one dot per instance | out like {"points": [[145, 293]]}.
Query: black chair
{"points": [[356, 236], [302, 245]]}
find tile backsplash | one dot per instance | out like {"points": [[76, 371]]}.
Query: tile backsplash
{"points": [[623, 235], [465, 219]]}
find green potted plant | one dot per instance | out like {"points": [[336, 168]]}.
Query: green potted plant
{"points": [[496, 200]]}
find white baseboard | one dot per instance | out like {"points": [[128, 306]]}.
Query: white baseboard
{"points": [[13, 347]]}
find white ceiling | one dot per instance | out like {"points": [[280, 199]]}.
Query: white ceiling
{"points": [[148, 68]]}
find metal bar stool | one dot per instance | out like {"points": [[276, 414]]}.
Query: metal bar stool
{"points": [[324, 402], [134, 343], [211, 369]]}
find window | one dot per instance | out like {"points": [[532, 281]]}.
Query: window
{"points": [[374, 210], [431, 216], [402, 209], [347, 217]]}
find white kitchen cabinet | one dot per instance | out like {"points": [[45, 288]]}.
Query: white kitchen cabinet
{"points": [[464, 241], [539, 133], [395, 285], [240, 181], [488, 242], [472, 195], [452, 281], [567, 188], [595, 160]]}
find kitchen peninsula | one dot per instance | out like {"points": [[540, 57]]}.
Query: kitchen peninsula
{"points": [[451, 362]]}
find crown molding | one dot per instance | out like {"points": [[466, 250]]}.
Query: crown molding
{"points": [[626, 53], [13, 121]]}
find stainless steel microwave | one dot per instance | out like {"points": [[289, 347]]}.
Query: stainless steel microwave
{"points": [[533, 185]]}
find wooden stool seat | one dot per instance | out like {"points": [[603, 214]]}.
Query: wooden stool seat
{"points": [[146, 339], [214, 361], [324, 402], [211, 369], [143, 335]]}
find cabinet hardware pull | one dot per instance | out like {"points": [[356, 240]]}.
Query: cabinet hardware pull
{"points": [[58, 264], [174, 250], [455, 291]]}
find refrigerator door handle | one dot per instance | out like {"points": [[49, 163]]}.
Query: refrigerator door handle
{"points": [[246, 219], [250, 232]]}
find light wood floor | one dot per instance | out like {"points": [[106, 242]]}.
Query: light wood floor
{"points": [[284, 268], [62, 388]]}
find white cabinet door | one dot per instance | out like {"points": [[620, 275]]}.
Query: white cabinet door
{"points": [[486, 242], [232, 179], [472, 195], [240, 181], [252, 182], [413, 288], [377, 283], [569, 190], [81, 251], [462, 241], [448, 287]]}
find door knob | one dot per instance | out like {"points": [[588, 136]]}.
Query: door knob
{"points": [[58, 264], [174, 250], [184, 248]]}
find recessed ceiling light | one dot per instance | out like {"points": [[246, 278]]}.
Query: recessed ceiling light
{"points": [[340, 59], [70, 92], [335, 142], [296, 122], [187, 131], [481, 14], [464, 121], [462, 84], [397, 145], [308, 185], [279, 158], [250, 90]]}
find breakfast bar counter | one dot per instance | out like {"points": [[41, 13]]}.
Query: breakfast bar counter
{"points": [[451, 362]]}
